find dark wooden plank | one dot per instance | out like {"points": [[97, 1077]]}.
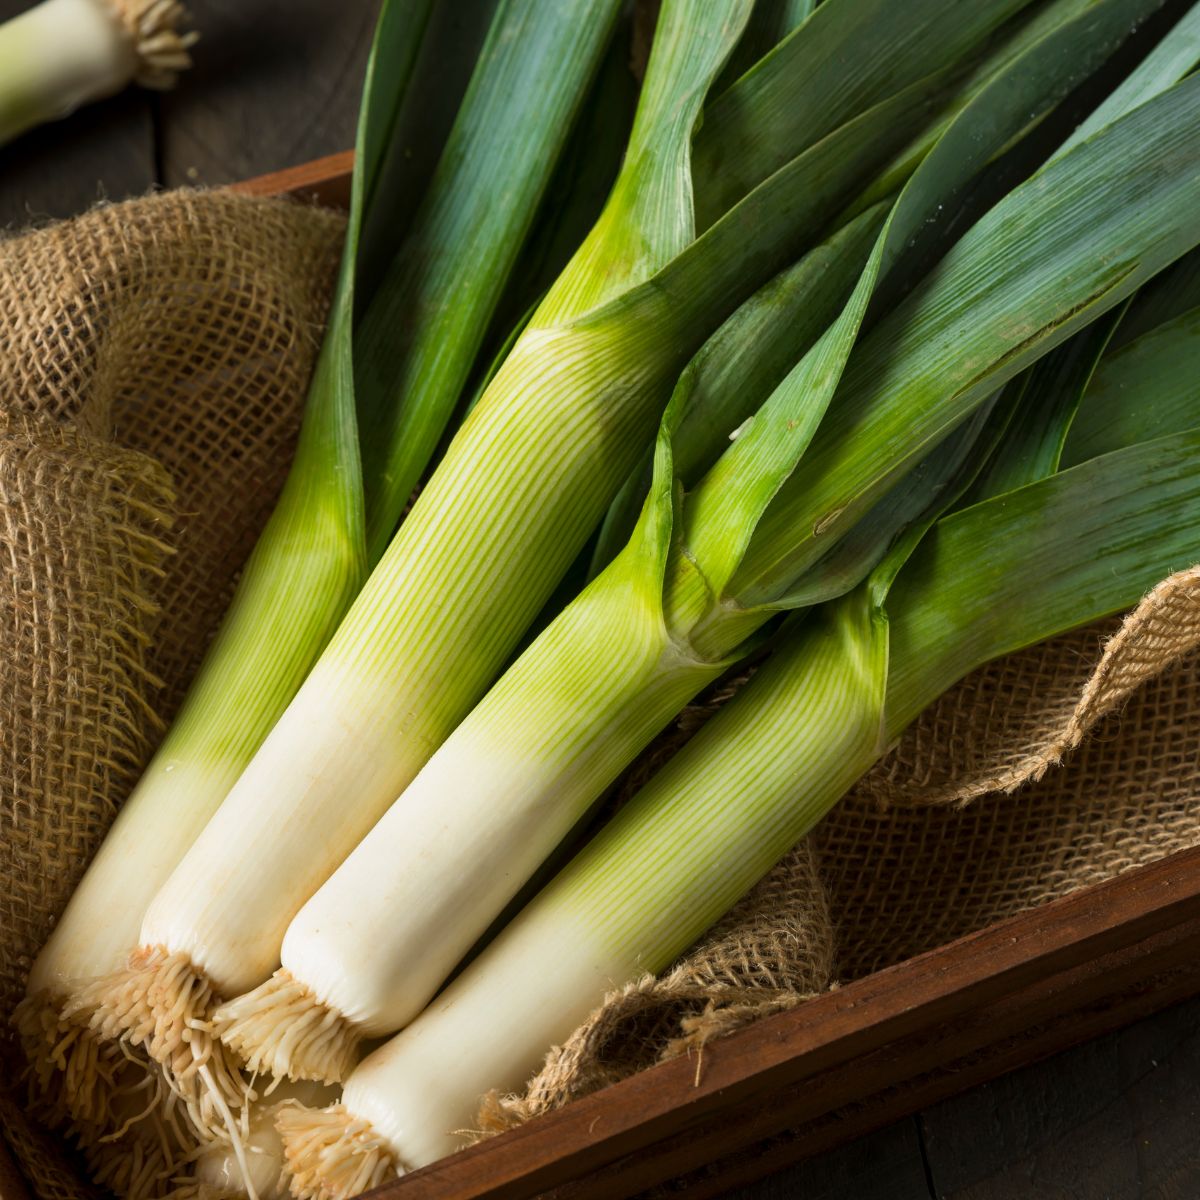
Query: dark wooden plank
{"points": [[1116, 1118], [885, 1165], [1087, 1001], [839, 1031], [275, 83], [102, 151], [828, 1108]]}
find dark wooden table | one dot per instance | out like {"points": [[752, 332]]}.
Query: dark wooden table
{"points": [[276, 83]]}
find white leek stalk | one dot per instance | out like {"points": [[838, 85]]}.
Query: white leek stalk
{"points": [[66, 53], [372, 946], [1007, 573]]}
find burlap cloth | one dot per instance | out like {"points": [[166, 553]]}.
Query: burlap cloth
{"points": [[153, 357]]}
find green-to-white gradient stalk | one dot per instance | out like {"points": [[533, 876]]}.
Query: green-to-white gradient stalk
{"points": [[307, 566], [617, 664], [986, 581], [305, 569], [66, 53], [520, 484], [525, 764], [312, 559]]}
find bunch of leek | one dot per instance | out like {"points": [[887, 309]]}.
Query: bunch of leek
{"points": [[1059, 545], [313, 555], [66, 53], [523, 482], [786, 516]]}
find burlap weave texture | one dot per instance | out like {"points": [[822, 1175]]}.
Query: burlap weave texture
{"points": [[153, 359]]}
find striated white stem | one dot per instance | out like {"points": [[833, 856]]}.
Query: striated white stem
{"points": [[280, 833], [377, 941], [490, 1029]]}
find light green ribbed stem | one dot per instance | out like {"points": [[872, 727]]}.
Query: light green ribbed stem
{"points": [[983, 583]]}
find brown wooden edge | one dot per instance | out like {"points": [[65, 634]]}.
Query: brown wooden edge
{"points": [[1128, 994], [852, 1059], [325, 180]]}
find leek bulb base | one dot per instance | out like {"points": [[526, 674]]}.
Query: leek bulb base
{"points": [[283, 1028], [331, 1154], [160, 1004]]}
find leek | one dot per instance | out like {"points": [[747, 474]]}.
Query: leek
{"points": [[66, 53], [990, 579], [524, 766], [306, 567], [522, 483]]}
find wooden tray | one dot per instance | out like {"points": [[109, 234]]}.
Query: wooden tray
{"points": [[848, 1061]]}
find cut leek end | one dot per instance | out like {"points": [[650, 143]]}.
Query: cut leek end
{"points": [[282, 1029], [161, 46], [161, 1003], [330, 1154], [71, 1071]]}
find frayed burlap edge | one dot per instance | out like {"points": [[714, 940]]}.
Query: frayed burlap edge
{"points": [[978, 740]]}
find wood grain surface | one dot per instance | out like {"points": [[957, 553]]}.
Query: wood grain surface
{"points": [[275, 84]]}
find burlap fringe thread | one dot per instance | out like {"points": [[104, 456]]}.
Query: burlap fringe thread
{"points": [[162, 347]]}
